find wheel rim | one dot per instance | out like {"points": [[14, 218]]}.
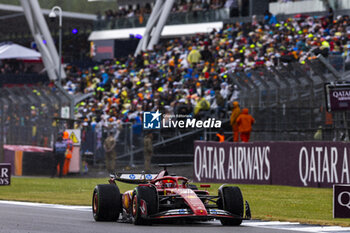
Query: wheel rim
{"points": [[95, 206], [134, 206]]}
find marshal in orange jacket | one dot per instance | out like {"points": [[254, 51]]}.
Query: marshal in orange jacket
{"points": [[245, 121]]}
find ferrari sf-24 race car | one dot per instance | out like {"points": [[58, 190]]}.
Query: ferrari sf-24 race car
{"points": [[160, 197]]}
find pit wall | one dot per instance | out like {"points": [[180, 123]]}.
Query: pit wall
{"points": [[305, 164]]}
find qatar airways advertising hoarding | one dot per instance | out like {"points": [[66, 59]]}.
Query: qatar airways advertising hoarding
{"points": [[5, 174], [341, 201], [307, 164], [337, 96]]}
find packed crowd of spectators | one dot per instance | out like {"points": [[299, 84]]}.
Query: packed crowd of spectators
{"points": [[179, 6], [286, 0], [190, 76], [13, 66]]}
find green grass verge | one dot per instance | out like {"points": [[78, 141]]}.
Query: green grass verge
{"points": [[268, 202]]}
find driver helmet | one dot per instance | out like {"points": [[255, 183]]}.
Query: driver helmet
{"points": [[169, 183]]}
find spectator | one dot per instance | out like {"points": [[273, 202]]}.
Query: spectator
{"points": [[69, 152], [110, 153], [201, 108], [194, 56], [220, 136], [330, 15], [148, 150], [318, 134], [220, 104], [59, 152], [245, 122], [206, 54], [233, 121]]}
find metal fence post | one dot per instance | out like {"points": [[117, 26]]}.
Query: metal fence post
{"points": [[131, 162], [346, 127], [1, 131]]}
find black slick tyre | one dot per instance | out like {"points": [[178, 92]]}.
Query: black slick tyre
{"points": [[144, 204], [231, 200], [106, 202]]}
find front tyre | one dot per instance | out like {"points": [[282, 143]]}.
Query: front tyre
{"points": [[144, 204], [231, 200], [106, 202]]}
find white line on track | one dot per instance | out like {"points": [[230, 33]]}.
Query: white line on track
{"points": [[294, 226], [65, 207], [274, 223]]}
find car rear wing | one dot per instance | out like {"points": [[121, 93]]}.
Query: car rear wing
{"points": [[132, 178]]}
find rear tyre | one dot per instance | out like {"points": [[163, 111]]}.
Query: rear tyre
{"points": [[144, 204], [231, 200], [106, 202]]}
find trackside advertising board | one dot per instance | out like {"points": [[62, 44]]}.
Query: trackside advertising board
{"points": [[306, 164], [337, 96], [341, 201], [5, 174]]}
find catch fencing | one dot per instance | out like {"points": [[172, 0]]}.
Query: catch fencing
{"points": [[29, 115], [288, 101], [129, 146]]}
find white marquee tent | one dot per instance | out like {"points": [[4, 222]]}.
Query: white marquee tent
{"points": [[15, 51]]}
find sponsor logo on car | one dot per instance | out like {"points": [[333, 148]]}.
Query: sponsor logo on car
{"points": [[182, 211]]}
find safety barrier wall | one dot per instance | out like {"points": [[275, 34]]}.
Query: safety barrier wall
{"points": [[28, 160], [306, 164]]}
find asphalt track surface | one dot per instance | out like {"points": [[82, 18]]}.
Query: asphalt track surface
{"points": [[32, 218]]}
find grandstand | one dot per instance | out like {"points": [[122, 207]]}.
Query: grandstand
{"points": [[15, 29], [275, 65]]}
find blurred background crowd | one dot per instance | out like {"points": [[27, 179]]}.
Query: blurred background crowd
{"points": [[179, 73], [181, 6]]}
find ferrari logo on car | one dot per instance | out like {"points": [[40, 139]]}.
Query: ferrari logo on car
{"points": [[143, 207]]}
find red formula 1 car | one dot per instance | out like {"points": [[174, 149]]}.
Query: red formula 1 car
{"points": [[160, 197]]}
